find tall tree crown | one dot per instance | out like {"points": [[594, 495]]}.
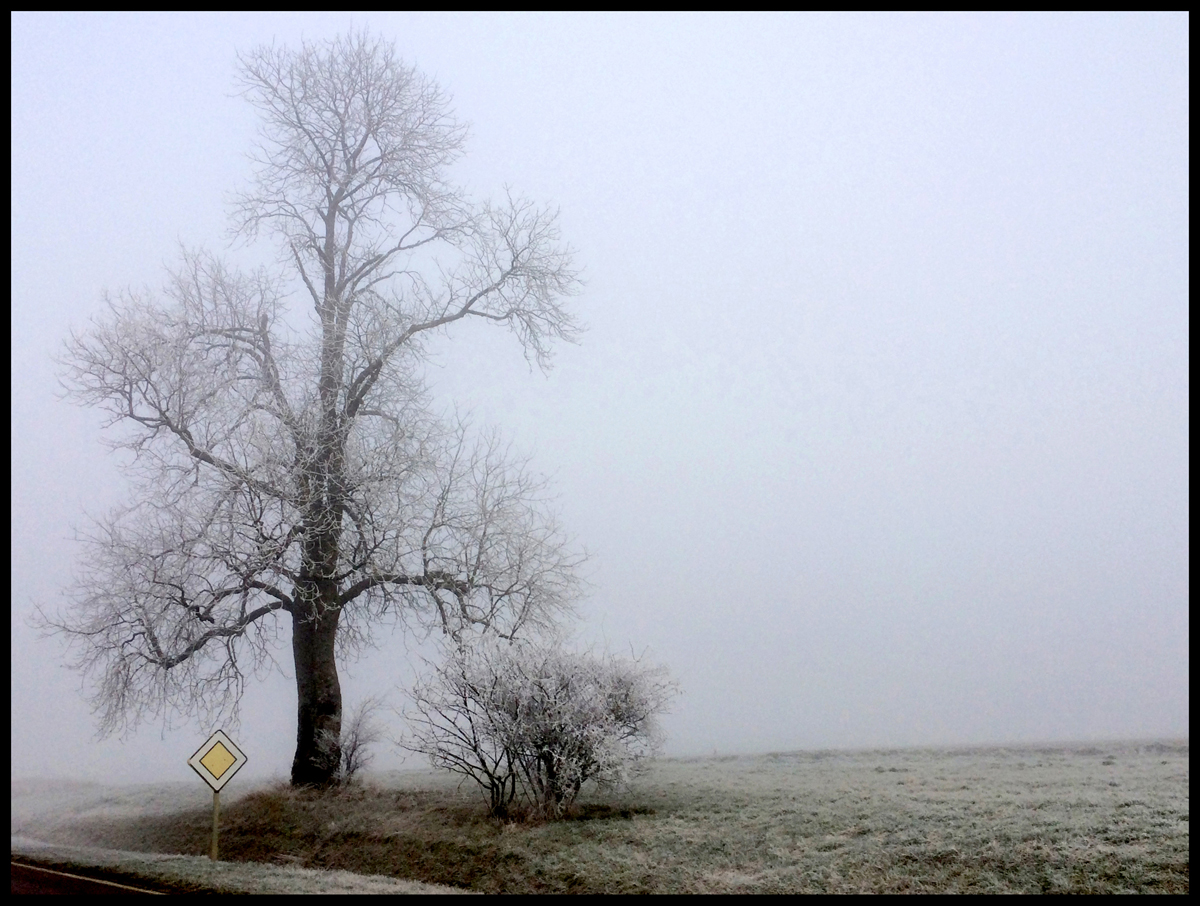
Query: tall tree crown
{"points": [[348, 132]]}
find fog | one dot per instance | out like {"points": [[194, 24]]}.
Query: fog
{"points": [[878, 432]]}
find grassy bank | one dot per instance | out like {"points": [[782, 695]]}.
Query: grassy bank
{"points": [[1087, 819]]}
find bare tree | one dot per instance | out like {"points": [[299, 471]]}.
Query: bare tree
{"points": [[295, 470], [530, 718]]}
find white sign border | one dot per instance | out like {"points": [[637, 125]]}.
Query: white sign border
{"points": [[206, 775]]}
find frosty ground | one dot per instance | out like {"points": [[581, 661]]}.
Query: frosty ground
{"points": [[1092, 818]]}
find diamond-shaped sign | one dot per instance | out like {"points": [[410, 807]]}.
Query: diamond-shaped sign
{"points": [[217, 760]]}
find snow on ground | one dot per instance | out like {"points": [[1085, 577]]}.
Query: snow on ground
{"points": [[44, 826]]}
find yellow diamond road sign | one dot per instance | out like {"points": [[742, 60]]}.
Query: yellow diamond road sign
{"points": [[217, 760]]}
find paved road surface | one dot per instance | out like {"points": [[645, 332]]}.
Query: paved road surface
{"points": [[29, 879]]}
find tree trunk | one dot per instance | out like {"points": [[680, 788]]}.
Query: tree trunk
{"points": [[319, 705]]}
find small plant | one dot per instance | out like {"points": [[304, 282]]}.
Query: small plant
{"points": [[358, 733], [532, 723]]}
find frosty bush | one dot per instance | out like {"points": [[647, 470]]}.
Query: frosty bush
{"points": [[533, 721], [359, 733]]}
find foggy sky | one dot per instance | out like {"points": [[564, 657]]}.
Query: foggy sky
{"points": [[878, 434]]}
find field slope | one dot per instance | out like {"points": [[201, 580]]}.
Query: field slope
{"points": [[1099, 818]]}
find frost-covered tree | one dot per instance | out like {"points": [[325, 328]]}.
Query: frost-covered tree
{"points": [[287, 466], [529, 719]]}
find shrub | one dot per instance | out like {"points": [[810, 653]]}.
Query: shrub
{"points": [[359, 732], [531, 720]]}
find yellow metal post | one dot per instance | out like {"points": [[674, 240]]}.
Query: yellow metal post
{"points": [[216, 819]]}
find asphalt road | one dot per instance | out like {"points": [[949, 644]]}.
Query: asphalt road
{"points": [[31, 879]]}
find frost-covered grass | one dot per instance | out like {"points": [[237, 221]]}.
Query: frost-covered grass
{"points": [[196, 874], [1095, 818], [100, 818]]}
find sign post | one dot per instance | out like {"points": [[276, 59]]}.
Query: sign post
{"points": [[212, 854], [216, 762]]}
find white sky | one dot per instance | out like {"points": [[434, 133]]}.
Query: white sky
{"points": [[879, 432]]}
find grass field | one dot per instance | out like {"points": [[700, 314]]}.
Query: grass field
{"points": [[1085, 819]]}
